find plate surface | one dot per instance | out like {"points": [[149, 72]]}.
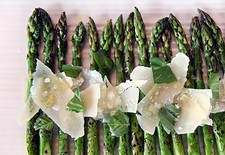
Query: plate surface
{"points": [[13, 44]]}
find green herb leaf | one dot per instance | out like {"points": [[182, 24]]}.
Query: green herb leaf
{"points": [[167, 116], [71, 71], [104, 63], [141, 95], [213, 84], [119, 123], [43, 122], [162, 73], [76, 103]]}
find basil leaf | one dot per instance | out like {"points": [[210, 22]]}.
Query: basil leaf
{"points": [[43, 122], [162, 73], [119, 123], [71, 71], [213, 83], [167, 116], [141, 95], [104, 63], [76, 103]]}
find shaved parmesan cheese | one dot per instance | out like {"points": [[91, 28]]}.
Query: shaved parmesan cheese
{"points": [[90, 77], [130, 99], [29, 110], [130, 83], [148, 124], [179, 66], [90, 97], [195, 109], [158, 95], [143, 73], [52, 94], [109, 100]]}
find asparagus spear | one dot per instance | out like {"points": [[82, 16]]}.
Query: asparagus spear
{"points": [[137, 141], [33, 34], [183, 46], [216, 34], [128, 44], [208, 47], [48, 37], [193, 146], [166, 43], [77, 43], [92, 125], [141, 38], [124, 145], [105, 43], [61, 31], [156, 34], [218, 119], [177, 145]]}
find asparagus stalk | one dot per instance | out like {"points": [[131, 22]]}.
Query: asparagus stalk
{"points": [[92, 125], [137, 141], [218, 119], [128, 45], [141, 38], [193, 146], [33, 34], [156, 35], [78, 39], [177, 145], [49, 39], [183, 46], [105, 43], [166, 43], [61, 31], [124, 145], [208, 47], [216, 34]]}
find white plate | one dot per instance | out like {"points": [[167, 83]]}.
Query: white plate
{"points": [[13, 44]]}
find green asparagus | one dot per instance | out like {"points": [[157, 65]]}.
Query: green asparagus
{"points": [[33, 34], [78, 39], [208, 47], [105, 44], [137, 141], [49, 40], [156, 35], [92, 125], [183, 46], [177, 145], [128, 45], [124, 145], [166, 43], [61, 31], [193, 146], [218, 119], [141, 38], [216, 34], [158, 32]]}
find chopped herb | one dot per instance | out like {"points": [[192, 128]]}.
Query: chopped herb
{"points": [[71, 71], [76, 103], [103, 61], [43, 122], [162, 73], [167, 116], [119, 123]]}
